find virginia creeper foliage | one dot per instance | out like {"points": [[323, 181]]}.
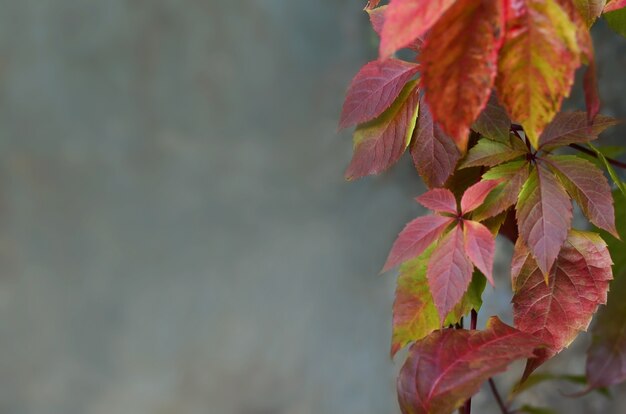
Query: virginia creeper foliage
{"points": [[477, 103]]}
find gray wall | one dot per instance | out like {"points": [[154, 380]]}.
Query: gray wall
{"points": [[175, 232]]}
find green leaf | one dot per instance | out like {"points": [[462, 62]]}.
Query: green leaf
{"points": [[513, 175], [488, 153], [617, 21], [535, 410], [618, 182]]}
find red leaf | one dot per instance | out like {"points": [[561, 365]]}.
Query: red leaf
{"points": [[493, 122], [544, 216], [378, 144], [480, 247], [476, 194], [537, 62], [606, 357], [557, 311], [592, 93], [449, 272], [434, 153], [374, 89], [573, 127], [589, 10], [406, 20], [449, 366], [438, 199], [459, 64], [377, 18], [512, 176], [415, 238], [615, 5], [588, 186]]}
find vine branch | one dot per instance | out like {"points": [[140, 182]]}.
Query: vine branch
{"points": [[497, 396]]}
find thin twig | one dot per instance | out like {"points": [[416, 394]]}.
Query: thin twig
{"points": [[496, 395], [467, 408]]}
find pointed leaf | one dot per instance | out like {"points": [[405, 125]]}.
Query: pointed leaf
{"points": [[592, 92], [609, 168], [493, 122], [476, 194], [414, 312], [434, 153], [374, 89], [537, 63], [556, 312], [615, 5], [512, 176], [589, 10], [377, 18], [438, 199], [588, 186], [415, 238], [449, 272], [381, 142], [544, 216], [573, 127], [480, 246], [488, 153], [406, 20], [449, 366], [459, 64]]}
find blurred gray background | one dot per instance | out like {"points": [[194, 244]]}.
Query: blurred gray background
{"points": [[175, 232]]}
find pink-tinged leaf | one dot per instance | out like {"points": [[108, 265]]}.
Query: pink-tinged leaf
{"points": [[592, 92], [449, 366], [544, 216], [606, 357], [573, 127], [589, 10], [537, 63], [415, 238], [588, 186], [615, 5], [406, 20], [511, 176], [459, 64], [434, 153], [374, 89], [493, 122], [378, 144], [449, 272], [488, 153], [476, 194], [371, 4], [480, 246], [438, 199], [556, 312]]}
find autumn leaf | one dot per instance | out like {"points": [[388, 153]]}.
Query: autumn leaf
{"points": [[374, 89], [459, 64], [614, 5], [415, 238], [588, 186], [439, 200], [488, 153], [544, 216], [414, 312], [537, 63], [434, 153], [377, 19], [573, 127], [589, 10], [557, 311], [380, 143], [476, 194], [512, 176], [480, 247], [406, 20], [449, 272], [449, 366], [493, 122]]}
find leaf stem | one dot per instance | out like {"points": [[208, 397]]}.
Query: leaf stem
{"points": [[497, 396], [467, 408]]}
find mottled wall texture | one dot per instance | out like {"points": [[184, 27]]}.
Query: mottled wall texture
{"points": [[176, 236]]}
